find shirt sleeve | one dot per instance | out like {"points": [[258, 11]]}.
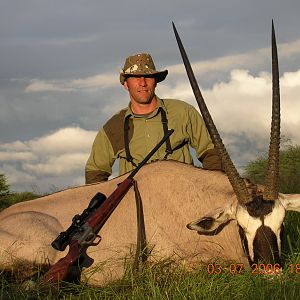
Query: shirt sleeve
{"points": [[198, 133], [101, 159]]}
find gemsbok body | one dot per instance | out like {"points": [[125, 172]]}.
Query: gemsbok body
{"points": [[234, 220]]}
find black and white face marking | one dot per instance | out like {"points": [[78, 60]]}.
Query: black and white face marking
{"points": [[261, 223]]}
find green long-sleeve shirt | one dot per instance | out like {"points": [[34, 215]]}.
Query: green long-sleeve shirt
{"points": [[145, 132]]}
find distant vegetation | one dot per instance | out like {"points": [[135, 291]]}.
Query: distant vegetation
{"points": [[8, 197], [289, 170]]}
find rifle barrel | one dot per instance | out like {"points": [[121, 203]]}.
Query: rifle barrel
{"points": [[93, 223]]}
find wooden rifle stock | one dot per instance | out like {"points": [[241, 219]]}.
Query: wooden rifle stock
{"points": [[94, 222], [61, 270]]}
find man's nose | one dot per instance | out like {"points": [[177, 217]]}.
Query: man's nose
{"points": [[142, 81]]}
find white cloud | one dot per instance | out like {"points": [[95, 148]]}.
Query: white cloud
{"points": [[177, 73], [243, 105], [291, 80], [225, 63], [37, 85], [15, 146], [64, 164], [64, 140], [16, 175], [96, 81], [236, 61], [61, 155], [14, 156], [241, 108], [287, 50], [90, 83]]}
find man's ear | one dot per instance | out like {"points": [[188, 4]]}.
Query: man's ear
{"points": [[125, 85]]}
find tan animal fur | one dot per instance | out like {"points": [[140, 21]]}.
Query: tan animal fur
{"points": [[173, 194]]}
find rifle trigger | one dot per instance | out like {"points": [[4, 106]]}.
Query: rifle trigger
{"points": [[97, 242]]}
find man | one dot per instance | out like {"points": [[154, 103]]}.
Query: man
{"points": [[131, 133]]}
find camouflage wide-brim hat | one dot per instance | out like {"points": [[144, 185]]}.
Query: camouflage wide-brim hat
{"points": [[141, 64]]}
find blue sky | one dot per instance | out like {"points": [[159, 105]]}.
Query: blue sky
{"points": [[59, 65]]}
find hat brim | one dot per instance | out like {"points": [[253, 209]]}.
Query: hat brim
{"points": [[158, 75]]}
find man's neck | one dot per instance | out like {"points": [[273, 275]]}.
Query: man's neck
{"points": [[145, 108]]}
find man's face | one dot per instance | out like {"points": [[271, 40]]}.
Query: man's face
{"points": [[141, 88]]}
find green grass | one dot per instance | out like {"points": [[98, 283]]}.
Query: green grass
{"points": [[166, 281], [163, 281]]}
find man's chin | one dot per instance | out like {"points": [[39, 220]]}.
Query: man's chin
{"points": [[144, 101]]}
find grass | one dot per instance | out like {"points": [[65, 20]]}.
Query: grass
{"points": [[165, 281]]}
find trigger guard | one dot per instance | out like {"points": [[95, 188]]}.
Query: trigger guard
{"points": [[97, 242]]}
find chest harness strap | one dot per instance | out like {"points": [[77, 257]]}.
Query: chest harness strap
{"points": [[164, 121]]}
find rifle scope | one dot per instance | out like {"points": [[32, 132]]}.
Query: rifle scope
{"points": [[64, 238]]}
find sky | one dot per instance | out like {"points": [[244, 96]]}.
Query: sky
{"points": [[60, 63]]}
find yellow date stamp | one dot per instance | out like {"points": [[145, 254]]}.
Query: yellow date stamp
{"points": [[294, 268], [256, 269], [216, 268]]}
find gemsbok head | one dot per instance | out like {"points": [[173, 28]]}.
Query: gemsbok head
{"points": [[259, 215]]}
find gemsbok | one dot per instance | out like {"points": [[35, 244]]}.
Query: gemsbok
{"points": [[235, 221]]}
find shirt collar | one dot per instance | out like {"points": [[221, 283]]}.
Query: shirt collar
{"points": [[160, 103]]}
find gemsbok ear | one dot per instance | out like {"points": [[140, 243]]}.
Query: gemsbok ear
{"points": [[290, 201], [213, 220]]}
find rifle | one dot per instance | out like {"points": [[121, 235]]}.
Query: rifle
{"points": [[85, 227]]}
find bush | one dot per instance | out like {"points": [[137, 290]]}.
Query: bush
{"points": [[289, 170], [10, 199]]}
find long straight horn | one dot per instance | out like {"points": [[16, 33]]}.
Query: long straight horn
{"points": [[272, 175], [236, 181]]}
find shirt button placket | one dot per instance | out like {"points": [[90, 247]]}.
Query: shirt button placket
{"points": [[147, 135]]}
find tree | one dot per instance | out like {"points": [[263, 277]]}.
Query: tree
{"points": [[8, 198], [4, 187]]}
